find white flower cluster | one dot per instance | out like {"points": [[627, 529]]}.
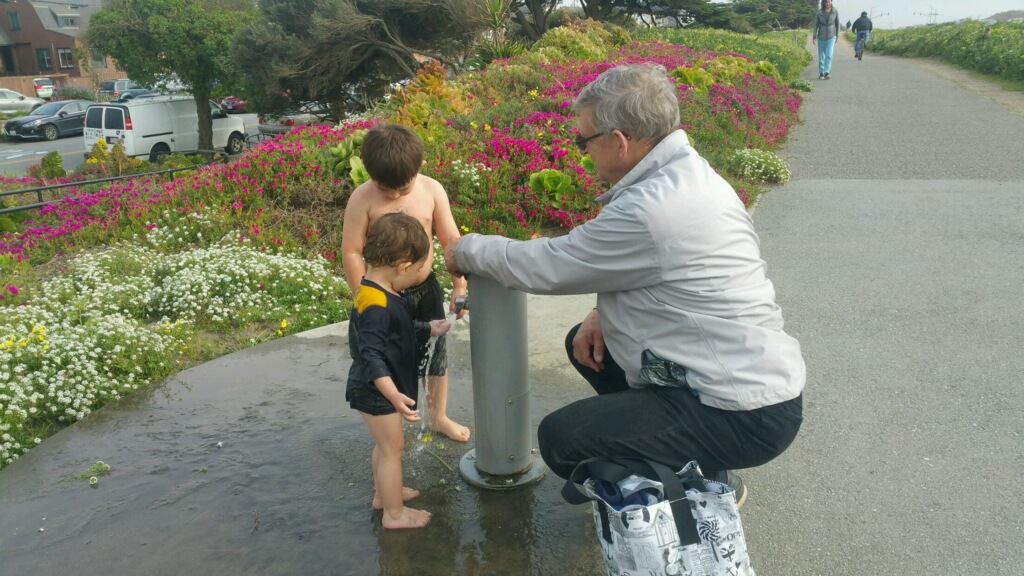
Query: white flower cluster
{"points": [[54, 367], [230, 285], [468, 174], [174, 231], [759, 166], [90, 336]]}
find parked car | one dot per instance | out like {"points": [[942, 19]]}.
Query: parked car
{"points": [[130, 93], [44, 87], [12, 102], [112, 89], [307, 114], [159, 125], [234, 104], [171, 84], [50, 121]]}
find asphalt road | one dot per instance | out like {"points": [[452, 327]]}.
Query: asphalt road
{"points": [[897, 252], [16, 155]]}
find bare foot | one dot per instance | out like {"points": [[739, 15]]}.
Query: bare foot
{"points": [[407, 494], [451, 429], [409, 518]]}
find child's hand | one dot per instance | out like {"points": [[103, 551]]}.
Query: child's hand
{"points": [[439, 327], [403, 404]]}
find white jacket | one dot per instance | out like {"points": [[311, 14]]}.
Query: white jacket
{"points": [[676, 266]]}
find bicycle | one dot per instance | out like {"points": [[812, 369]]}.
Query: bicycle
{"points": [[858, 47]]}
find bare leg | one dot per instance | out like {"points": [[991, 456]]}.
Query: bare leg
{"points": [[437, 406], [387, 472]]}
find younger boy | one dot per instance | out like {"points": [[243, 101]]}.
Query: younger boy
{"points": [[393, 156], [384, 341]]}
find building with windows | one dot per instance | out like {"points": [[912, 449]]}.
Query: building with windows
{"points": [[42, 39]]}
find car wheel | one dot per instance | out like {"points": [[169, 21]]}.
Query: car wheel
{"points": [[235, 143], [50, 132], [158, 152]]}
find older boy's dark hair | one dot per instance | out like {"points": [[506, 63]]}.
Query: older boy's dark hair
{"points": [[396, 237], [392, 155]]}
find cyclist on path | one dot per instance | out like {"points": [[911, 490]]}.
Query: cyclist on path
{"points": [[862, 28]]}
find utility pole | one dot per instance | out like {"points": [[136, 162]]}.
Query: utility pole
{"points": [[931, 15]]}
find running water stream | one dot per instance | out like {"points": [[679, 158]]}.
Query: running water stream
{"points": [[424, 406]]}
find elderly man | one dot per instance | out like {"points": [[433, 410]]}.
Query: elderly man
{"points": [[685, 348]]}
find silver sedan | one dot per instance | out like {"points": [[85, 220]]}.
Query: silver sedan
{"points": [[11, 102]]}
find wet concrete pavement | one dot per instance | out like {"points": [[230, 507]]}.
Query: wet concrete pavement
{"points": [[897, 253], [254, 464]]}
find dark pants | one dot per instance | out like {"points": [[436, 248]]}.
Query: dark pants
{"points": [[667, 425]]}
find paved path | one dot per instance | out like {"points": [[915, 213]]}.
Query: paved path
{"points": [[898, 255], [897, 252]]}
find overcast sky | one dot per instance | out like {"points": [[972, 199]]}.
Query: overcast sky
{"points": [[900, 13]]}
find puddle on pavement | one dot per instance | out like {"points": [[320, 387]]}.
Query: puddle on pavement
{"points": [[254, 464]]}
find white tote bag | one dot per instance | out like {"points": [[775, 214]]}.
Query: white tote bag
{"points": [[693, 529]]}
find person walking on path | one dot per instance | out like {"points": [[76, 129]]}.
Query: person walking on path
{"points": [[826, 30], [862, 28], [685, 348]]}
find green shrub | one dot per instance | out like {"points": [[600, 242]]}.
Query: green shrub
{"points": [[51, 166], [73, 93], [785, 51], [573, 43], [802, 84]]}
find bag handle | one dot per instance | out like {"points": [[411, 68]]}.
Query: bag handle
{"points": [[615, 469]]}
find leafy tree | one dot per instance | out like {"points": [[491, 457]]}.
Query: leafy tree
{"points": [[764, 15], [532, 16], [327, 51], [150, 39]]}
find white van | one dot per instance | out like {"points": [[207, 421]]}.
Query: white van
{"points": [[159, 125]]}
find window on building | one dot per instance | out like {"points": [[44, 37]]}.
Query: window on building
{"points": [[14, 20], [45, 58], [70, 21], [97, 59], [64, 56]]}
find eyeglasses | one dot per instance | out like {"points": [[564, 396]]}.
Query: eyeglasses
{"points": [[581, 141]]}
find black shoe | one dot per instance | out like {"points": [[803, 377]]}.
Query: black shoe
{"points": [[821, 76], [827, 76]]}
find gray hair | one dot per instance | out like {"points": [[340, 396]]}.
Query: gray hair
{"points": [[637, 99]]}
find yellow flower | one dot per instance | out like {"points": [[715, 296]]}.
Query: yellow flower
{"points": [[284, 323], [487, 127], [533, 92], [473, 125], [464, 228]]}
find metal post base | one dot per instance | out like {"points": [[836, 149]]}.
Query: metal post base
{"points": [[472, 475]]}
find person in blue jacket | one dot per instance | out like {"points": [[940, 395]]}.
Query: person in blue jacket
{"points": [[862, 28]]}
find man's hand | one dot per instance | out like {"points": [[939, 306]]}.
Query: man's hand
{"points": [[403, 404], [449, 258], [458, 289], [588, 344]]}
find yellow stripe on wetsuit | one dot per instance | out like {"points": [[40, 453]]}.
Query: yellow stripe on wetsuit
{"points": [[368, 296]]}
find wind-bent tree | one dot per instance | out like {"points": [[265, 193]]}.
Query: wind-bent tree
{"points": [[150, 39], [327, 51], [532, 16], [764, 15]]}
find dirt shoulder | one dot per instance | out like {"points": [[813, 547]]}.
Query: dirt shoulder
{"points": [[991, 89]]}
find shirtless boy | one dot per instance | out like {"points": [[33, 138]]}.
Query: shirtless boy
{"points": [[393, 156]]}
